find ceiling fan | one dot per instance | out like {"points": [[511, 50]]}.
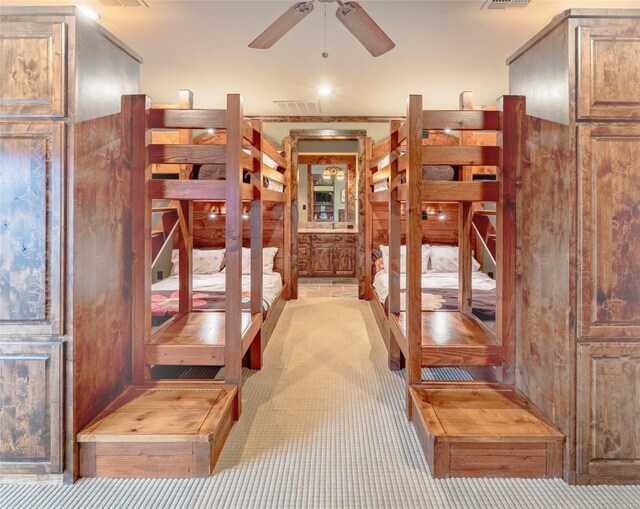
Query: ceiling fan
{"points": [[350, 14]]}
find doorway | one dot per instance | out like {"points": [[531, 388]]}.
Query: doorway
{"points": [[328, 211]]}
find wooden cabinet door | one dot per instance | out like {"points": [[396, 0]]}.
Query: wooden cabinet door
{"points": [[322, 261], [31, 227], [32, 68], [609, 71], [608, 231], [344, 258], [608, 410], [31, 432]]}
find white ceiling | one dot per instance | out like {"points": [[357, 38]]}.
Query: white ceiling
{"points": [[442, 48]]}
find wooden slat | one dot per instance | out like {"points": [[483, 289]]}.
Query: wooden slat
{"points": [[187, 119], [460, 156], [187, 189], [248, 132], [469, 191], [378, 152], [187, 154], [461, 120], [273, 153], [380, 196], [273, 196], [257, 236], [368, 227], [381, 174], [272, 174]]}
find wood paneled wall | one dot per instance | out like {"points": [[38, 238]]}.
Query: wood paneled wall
{"points": [[211, 232], [102, 268]]}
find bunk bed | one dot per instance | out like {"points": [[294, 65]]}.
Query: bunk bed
{"points": [[177, 428], [467, 428]]}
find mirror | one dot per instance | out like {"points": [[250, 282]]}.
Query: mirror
{"points": [[326, 197]]}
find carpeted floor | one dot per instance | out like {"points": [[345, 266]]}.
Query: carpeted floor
{"points": [[323, 426]]}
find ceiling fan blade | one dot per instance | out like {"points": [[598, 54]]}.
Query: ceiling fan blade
{"points": [[274, 32], [367, 31]]}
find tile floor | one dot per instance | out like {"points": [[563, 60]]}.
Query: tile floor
{"points": [[328, 287]]}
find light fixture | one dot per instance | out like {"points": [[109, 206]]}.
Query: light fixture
{"points": [[213, 215], [89, 13], [211, 130], [245, 216], [333, 171], [324, 90], [446, 131], [441, 216]]}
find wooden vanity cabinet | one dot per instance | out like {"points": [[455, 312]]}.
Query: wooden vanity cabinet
{"points": [[327, 254]]}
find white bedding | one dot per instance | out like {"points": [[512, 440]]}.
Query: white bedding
{"points": [[479, 281], [271, 284]]}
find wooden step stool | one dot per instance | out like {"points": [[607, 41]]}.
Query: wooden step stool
{"points": [[162, 429]]}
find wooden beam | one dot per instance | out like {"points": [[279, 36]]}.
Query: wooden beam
{"points": [[293, 146], [233, 248], [465, 221], [287, 216], [395, 238], [187, 119], [324, 118], [513, 140], [458, 120], [185, 259], [255, 355], [368, 225], [134, 156], [270, 149], [379, 151], [326, 158], [413, 211], [459, 156]]}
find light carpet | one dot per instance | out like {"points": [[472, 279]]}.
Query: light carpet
{"points": [[323, 427]]}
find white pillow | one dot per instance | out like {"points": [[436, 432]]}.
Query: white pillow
{"points": [[426, 253], [205, 261], [268, 257], [445, 259]]}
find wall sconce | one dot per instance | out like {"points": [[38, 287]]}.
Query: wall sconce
{"points": [[439, 214]]}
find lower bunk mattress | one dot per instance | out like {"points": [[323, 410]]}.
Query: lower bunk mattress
{"points": [[440, 292], [209, 294]]}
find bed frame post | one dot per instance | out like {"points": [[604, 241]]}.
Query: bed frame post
{"points": [[134, 156], [465, 221], [287, 218], [233, 283], [255, 350], [185, 256], [512, 139], [413, 211], [368, 222]]}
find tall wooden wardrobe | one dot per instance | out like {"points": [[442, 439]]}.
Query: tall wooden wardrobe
{"points": [[578, 238], [65, 234]]}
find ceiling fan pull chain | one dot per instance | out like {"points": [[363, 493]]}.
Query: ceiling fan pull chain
{"points": [[324, 53]]}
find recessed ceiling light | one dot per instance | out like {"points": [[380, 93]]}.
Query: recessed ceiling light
{"points": [[89, 13], [324, 90]]}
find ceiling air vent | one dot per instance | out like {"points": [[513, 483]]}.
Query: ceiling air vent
{"points": [[503, 4], [124, 3], [293, 108]]}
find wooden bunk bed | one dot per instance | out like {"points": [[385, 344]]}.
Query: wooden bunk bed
{"points": [[467, 428], [178, 428]]}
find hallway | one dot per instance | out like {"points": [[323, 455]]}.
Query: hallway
{"points": [[323, 426]]}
